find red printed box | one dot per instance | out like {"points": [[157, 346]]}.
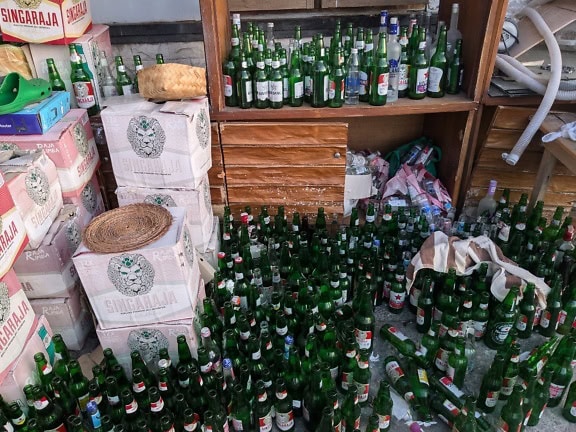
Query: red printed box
{"points": [[13, 237], [152, 284], [33, 183], [70, 145], [44, 21]]}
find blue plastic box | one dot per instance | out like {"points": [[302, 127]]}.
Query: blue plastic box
{"points": [[36, 118]]}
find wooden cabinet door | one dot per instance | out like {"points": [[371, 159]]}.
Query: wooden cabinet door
{"points": [[296, 164]]}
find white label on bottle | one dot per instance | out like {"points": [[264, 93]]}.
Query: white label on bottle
{"points": [[383, 84], [265, 423], [435, 76], [507, 385], [331, 90], [522, 322], [334, 371], [307, 85], [249, 96], [480, 328], [363, 82], [363, 390], [285, 88], [262, 90], [556, 390], [326, 87], [109, 90], [394, 371], [397, 300], [397, 333], [420, 316], [421, 81], [285, 421], [298, 89], [573, 409], [545, 319], [500, 332], [436, 314], [227, 85], [403, 77], [441, 360], [383, 421], [363, 338], [491, 398], [84, 93], [276, 91]]}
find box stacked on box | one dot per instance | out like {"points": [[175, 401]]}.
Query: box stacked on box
{"points": [[154, 286], [13, 238]]}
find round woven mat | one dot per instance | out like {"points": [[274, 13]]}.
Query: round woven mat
{"points": [[127, 228]]}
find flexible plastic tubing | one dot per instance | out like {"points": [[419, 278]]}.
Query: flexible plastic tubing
{"points": [[551, 89], [514, 69]]}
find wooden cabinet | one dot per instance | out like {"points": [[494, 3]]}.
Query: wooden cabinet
{"points": [[251, 155]]}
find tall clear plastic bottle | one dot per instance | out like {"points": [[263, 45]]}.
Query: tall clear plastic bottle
{"points": [[352, 88]]}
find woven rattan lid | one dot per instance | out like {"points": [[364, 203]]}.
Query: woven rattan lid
{"points": [[127, 228]]}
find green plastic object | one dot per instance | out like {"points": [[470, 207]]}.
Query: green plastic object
{"points": [[16, 92]]}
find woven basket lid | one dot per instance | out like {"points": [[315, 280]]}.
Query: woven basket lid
{"points": [[127, 228]]}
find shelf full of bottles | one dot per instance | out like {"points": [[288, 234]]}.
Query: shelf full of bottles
{"points": [[289, 337]]}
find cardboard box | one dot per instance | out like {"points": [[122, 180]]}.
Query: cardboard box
{"points": [[13, 238], [197, 203], [33, 183], [148, 339], [44, 21], [145, 286], [36, 118], [67, 316], [93, 43], [70, 145], [88, 199], [13, 59], [48, 270], [159, 145], [210, 252], [23, 369], [17, 321]]}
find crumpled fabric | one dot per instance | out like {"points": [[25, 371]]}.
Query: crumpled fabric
{"points": [[440, 253], [566, 131]]}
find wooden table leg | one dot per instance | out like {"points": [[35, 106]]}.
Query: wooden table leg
{"points": [[545, 169]]}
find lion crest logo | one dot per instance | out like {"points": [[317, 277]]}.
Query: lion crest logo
{"points": [[8, 146], [161, 200], [4, 302], [147, 342], [89, 198], [73, 235], [202, 129], [28, 4], [37, 186], [146, 137], [80, 139], [188, 247], [131, 274], [81, 89]]}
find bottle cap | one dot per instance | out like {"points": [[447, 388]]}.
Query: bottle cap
{"points": [[91, 407], [289, 340], [226, 363], [205, 332]]}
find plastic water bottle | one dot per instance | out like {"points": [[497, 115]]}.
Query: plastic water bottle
{"points": [[352, 88]]}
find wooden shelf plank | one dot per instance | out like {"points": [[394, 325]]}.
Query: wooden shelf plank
{"points": [[449, 103]]}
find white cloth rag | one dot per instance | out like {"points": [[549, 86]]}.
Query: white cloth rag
{"points": [[566, 131]]}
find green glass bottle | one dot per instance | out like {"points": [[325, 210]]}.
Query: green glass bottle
{"points": [[45, 372], [362, 376], [466, 420], [49, 414], [527, 310], [550, 316], [438, 68], [17, 417], [275, 83], [397, 294], [29, 393], [398, 340], [82, 83], [567, 318], [511, 371], [529, 398], [283, 407], [138, 363], [314, 399], [455, 74], [351, 411], [56, 81], [404, 67], [229, 75], [561, 378], [244, 84], [159, 58], [481, 315], [113, 398], [398, 378], [64, 397], [240, 412], [502, 320], [382, 406], [296, 80], [132, 412], [569, 409], [262, 409], [540, 398], [79, 385], [140, 390], [137, 68], [418, 78], [491, 384], [457, 363], [425, 306], [123, 81], [512, 414], [337, 79], [378, 87], [320, 78], [61, 358]]}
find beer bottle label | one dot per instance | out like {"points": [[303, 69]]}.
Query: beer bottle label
{"points": [[237, 424], [500, 332], [363, 390], [285, 88], [262, 90], [522, 323], [480, 328], [363, 82], [421, 80], [420, 316], [383, 84], [394, 371], [507, 385], [298, 90], [441, 360], [364, 338], [451, 407], [127, 89], [248, 88], [556, 390], [434, 79], [285, 421], [403, 77], [397, 300], [227, 85], [276, 91], [383, 421], [344, 380], [573, 409], [84, 93], [265, 423], [331, 89], [492, 398]]}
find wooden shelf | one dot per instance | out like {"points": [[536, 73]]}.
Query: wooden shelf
{"points": [[404, 106]]}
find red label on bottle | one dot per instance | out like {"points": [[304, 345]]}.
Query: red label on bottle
{"points": [[556, 390], [60, 428], [420, 316], [84, 93], [397, 300], [363, 338], [227, 85]]}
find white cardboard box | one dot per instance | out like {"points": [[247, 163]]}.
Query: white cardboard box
{"points": [[33, 183], [23, 368], [17, 321], [88, 199], [13, 238], [159, 145], [145, 286], [48, 270], [210, 254], [70, 145]]}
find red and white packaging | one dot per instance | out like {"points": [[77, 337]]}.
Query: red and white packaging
{"points": [[197, 203], [44, 21], [17, 320], [70, 145], [48, 270], [13, 238], [67, 316], [88, 200], [148, 339], [33, 183], [156, 283], [23, 369]]}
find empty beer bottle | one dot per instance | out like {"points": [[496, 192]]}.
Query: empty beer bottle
{"points": [[326, 423], [382, 406], [569, 410], [509, 378], [491, 384], [113, 398], [512, 414], [362, 376], [49, 414], [320, 78], [418, 78], [244, 84], [82, 83], [240, 411], [337, 77], [29, 393], [283, 408], [64, 397], [457, 363], [438, 68], [425, 307], [481, 316], [123, 81], [398, 340], [159, 58], [550, 315], [526, 312], [351, 411], [275, 83], [56, 81], [230, 89], [17, 417], [378, 90], [61, 358], [79, 385], [466, 420], [262, 409], [455, 70], [296, 80], [364, 320], [45, 372], [398, 378], [561, 378], [540, 398], [503, 320], [529, 398]]}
